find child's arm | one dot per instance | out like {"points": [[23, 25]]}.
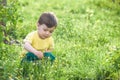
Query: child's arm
{"points": [[29, 48]]}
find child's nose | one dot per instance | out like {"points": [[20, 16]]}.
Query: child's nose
{"points": [[47, 32]]}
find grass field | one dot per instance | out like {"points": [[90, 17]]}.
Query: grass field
{"points": [[87, 41]]}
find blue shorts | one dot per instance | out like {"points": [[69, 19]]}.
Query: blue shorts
{"points": [[32, 57]]}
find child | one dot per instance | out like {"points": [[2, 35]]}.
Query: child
{"points": [[39, 43]]}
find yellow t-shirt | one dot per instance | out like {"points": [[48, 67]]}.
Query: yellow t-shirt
{"points": [[38, 43]]}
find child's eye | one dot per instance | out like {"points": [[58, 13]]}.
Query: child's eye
{"points": [[51, 31], [45, 29]]}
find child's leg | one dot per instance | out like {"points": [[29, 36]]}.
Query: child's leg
{"points": [[31, 57], [49, 54]]}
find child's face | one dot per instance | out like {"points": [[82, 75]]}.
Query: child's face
{"points": [[45, 32]]}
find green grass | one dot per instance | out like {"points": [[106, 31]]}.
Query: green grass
{"points": [[87, 40]]}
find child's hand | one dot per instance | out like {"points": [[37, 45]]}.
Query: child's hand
{"points": [[39, 54]]}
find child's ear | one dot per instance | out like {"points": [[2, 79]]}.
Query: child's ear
{"points": [[38, 24]]}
